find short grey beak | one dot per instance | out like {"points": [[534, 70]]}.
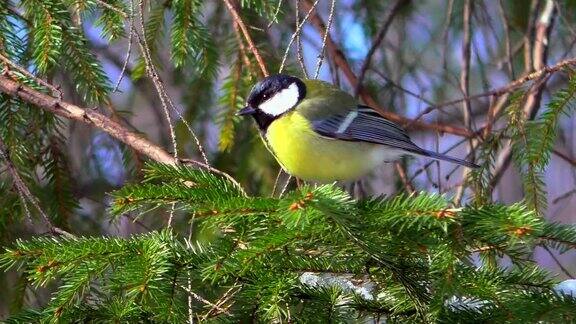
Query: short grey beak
{"points": [[246, 111]]}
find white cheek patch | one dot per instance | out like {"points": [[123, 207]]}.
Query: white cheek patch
{"points": [[282, 101]]}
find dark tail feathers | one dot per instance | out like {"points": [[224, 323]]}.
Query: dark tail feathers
{"points": [[438, 156]]}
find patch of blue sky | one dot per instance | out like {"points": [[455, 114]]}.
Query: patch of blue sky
{"points": [[420, 31], [419, 83], [106, 159], [354, 40], [95, 36], [310, 54], [94, 33], [20, 32]]}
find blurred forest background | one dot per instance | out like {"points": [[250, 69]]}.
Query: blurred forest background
{"points": [[446, 70]]}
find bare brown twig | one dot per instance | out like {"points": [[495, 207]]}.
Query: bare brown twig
{"points": [[298, 33], [557, 261], [25, 72], [533, 96], [545, 70], [296, 36], [238, 21], [162, 93], [391, 13], [24, 192], [203, 300], [507, 43], [341, 61], [323, 47], [85, 116], [564, 157], [402, 173], [111, 7], [129, 50], [465, 88]]}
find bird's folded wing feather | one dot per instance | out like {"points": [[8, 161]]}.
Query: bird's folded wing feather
{"points": [[365, 125]]}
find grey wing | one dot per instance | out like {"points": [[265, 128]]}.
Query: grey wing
{"points": [[364, 124]]}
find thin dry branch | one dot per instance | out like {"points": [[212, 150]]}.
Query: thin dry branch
{"points": [[153, 74], [465, 71], [340, 60], [203, 300], [129, 50], [238, 21], [162, 93], [24, 191], [111, 7], [296, 36], [394, 10], [510, 87], [534, 94], [465, 88], [507, 43], [11, 64], [298, 32], [564, 157], [404, 178], [323, 47], [85, 116]]}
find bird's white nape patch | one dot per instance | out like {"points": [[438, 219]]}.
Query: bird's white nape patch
{"points": [[282, 101]]}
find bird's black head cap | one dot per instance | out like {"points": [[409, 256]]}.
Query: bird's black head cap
{"points": [[272, 97]]}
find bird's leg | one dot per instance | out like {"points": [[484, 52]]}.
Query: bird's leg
{"points": [[359, 192]]}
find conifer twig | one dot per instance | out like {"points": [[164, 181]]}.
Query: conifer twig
{"points": [[113, 8], [445, 34], [275, 17], [86, 116], [558, 263], [93, 118], [536, 62], [507, 43], [402, 173], [395, 8], [323, 47], [342, 62], [129, 50], [153, 74], [25, 72], [564, 157], [216, 171], [203, 300], [275, 187], [285, 187], [546, 70], [465, 87], [238, 21], [297, 34], [25, 193], [162, 93], [224, 299]]}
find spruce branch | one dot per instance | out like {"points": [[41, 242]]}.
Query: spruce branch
{"points": [[394, 10], [29, 75], [339, 59], [240, 23], [25, 193], [508, 88], [84, 115]]}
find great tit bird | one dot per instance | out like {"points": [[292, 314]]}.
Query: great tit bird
{"points": [[320, 133]]}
